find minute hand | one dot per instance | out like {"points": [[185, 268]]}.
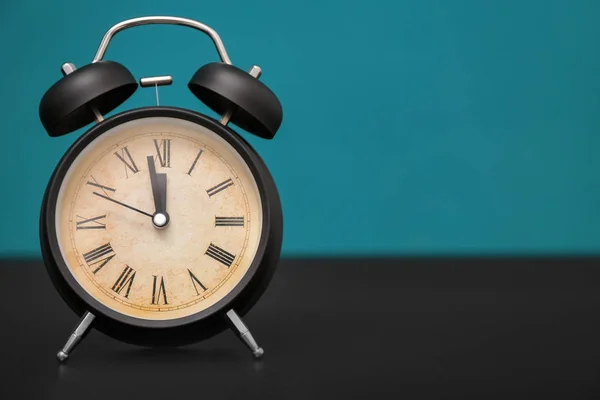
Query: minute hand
{"points": [[122, 204]]}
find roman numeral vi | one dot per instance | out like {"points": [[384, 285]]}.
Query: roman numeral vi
{"points": [[158, 290]]}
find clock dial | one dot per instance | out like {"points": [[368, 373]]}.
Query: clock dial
{"points": [[106, 207]]}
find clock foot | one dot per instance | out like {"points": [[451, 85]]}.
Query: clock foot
{"points": [[244, 333], [79, 333]]}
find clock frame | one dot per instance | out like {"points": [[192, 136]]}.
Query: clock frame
{"points": [[195, 327]]}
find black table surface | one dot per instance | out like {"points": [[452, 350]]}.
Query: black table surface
{"points": [[336, 329]]}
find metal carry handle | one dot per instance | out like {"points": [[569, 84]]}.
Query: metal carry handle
{"points": [[130, 23]]}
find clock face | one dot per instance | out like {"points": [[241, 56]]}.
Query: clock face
{"points": [[104, 219]]}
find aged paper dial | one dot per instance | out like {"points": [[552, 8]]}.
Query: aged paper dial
{"points": [[114, 249]]}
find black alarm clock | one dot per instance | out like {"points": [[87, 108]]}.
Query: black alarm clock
{"points": [[160, 226]]}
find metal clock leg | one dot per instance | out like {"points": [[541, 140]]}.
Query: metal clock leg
{"points": [[82, 329], [244, 333]]}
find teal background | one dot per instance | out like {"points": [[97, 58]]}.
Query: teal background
{"points": [[410, 127]]}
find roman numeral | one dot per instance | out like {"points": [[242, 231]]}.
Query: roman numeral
{"points": [[220, 255], [196, 281], [102, 187], [91, 223], [220, 187], [100, 255], [125, 280], [194, 163], [229, 221], [159, 289], [128, 165], [163, 150]]}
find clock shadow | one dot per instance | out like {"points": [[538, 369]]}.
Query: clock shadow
{"points": [[173, 354], [123, 369], [144, 359]]}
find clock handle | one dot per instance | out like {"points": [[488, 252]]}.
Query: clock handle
{"points": [[78, 334], [130, 23], [244, 333]]}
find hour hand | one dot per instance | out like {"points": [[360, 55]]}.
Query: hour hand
{"points": [[160, 196], [159, 192]]}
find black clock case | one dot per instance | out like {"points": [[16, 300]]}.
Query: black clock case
{"points": [[192, 328]]}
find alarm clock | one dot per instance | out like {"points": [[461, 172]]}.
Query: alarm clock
{"points": [[160, 226]]}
